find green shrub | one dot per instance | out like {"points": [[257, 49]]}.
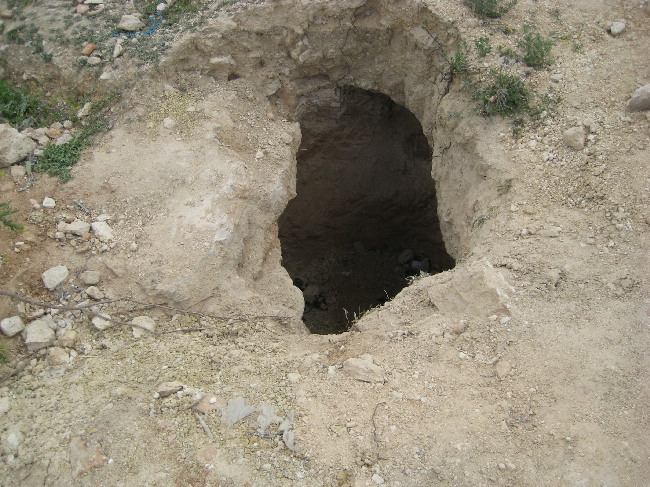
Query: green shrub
{"points": [[536, 49], [57, 160], [5, 211], [505, 95], [22, 109], [458, 61], [491, 8], [483, 46]]}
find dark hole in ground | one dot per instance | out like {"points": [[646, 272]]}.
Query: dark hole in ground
{"points": [[364, 218]]}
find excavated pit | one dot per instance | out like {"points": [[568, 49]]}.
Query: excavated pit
{"points": [[336, 160], [365, 216]]}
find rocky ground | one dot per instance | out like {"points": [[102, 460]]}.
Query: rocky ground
{"points": [[525, 365]]}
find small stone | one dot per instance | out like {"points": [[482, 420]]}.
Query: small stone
{"points": [[363, 370], [101, 324], [64, 139], [6, 13], [90, 278], [82, 9], [5, 405], [144, 322], [503, 368], [12, 439], [640, 100], [130, 23], [168, 123], [557, 77], [68, 338], [88, 49], [118, 50], [294, 377], [14, 146], [53, 133], [83, 458], [617, 28], [77, 227], [57, 356], [377, 479], [103, 231], [12, 326], [85, 110], [49, 203], [161, 7], [574, 138], [223, 61], [93, 60], [38, 335], [460, 327], [168, 388], [55, 276], [94, 293]]}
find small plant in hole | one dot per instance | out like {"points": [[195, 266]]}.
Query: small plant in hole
{"points": [[506, 94], [4, 354], [491, 9], [483, 46], [458, 61], [577, 47], [5, 211], [536, 49]]}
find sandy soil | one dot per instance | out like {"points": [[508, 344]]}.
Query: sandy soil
{"points": [[545, 383]]}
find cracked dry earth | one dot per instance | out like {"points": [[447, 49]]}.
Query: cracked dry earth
{"points": [[525, 364]]}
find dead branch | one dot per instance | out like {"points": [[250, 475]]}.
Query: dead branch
{"points": [[204, 426]]}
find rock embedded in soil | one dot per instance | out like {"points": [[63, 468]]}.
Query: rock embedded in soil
{"points": [[574, 138], [90, 278], [68, 338], [77, 227], [94, 293], [168, 388], [55, 276], [640, 100], [617, 28], [48, 203], [101, 324], [103, 231], [14, 146], [363, 370], [130, 23], [84, 458], [143, 322], [38, 335], [12, 325]]}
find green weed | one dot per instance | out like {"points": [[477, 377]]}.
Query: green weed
{"points": [[491, 8], [23, 109], [483, 46], [505, 95], [5, 211], [536, 49], [458, 61], [504, 187], [57, 160]]}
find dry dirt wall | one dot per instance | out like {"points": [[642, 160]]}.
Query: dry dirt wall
{"points": [[291, 58]]}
